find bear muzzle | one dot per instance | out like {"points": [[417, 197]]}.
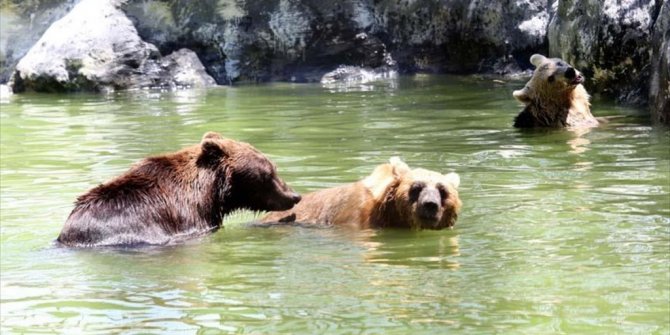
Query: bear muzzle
{"points": [[287, 201], [574, 76], [295, 197], [428, 206]]}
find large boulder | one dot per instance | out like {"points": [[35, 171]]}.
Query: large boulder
{"points": [[96, 47]]}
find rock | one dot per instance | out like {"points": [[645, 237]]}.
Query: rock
{"points": [[82, 49], [185, 70], [346, 75], [659, 90], [609, 41], [180, 69], [95, 47]]}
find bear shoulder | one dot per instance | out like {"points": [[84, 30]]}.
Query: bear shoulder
{"points": [[525, 119]]}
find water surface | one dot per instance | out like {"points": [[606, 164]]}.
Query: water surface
{"points": [[561, 232]]}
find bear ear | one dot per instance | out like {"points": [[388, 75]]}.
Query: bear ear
{"points": [[211, 150], [453, 178], [399, 167], [537, 59], [382, 177], [211, 135], [523, 95]]}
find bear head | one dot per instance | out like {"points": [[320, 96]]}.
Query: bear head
{"points": [[425, 199], [552, 79], [247, 179]]}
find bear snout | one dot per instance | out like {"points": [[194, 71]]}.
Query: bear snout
{"points": [[288, 199], [428, 204], [295, 197], [574, 76]]}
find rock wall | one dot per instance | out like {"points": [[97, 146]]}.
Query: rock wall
{"points": [[257, 40], [621, 47], [659, 91], [609, 41]]}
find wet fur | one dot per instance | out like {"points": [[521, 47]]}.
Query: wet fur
{"points": [[378, 201], [170, 197], [352, 203], [550, 101]]}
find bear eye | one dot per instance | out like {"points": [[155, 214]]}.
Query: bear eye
{"points": [[443, 191], [415, 190], [551, 78]]}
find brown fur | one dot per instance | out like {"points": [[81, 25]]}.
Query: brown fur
{"points": [[169, 197], [382, 199], [554, 97]]}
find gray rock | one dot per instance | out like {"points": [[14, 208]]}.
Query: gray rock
{"points": [[95, 47], [184, 69]]}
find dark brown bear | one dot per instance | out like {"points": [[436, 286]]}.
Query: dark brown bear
{"points": [[392, 196], [172, 197]]}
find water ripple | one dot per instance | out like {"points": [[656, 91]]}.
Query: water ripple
{"points": [[561, 231]]}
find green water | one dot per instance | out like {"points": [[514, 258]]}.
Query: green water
{"points": [[560, 232]]}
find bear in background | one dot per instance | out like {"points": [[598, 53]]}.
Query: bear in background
{"points": [[554, 97], [392, 196], [171, 197]]}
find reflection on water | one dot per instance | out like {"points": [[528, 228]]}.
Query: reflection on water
{"points": [[561, 231], [579, 144], [441, 252]]}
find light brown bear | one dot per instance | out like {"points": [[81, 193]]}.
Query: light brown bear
{"points": [[392, 196], [554, 97]]}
